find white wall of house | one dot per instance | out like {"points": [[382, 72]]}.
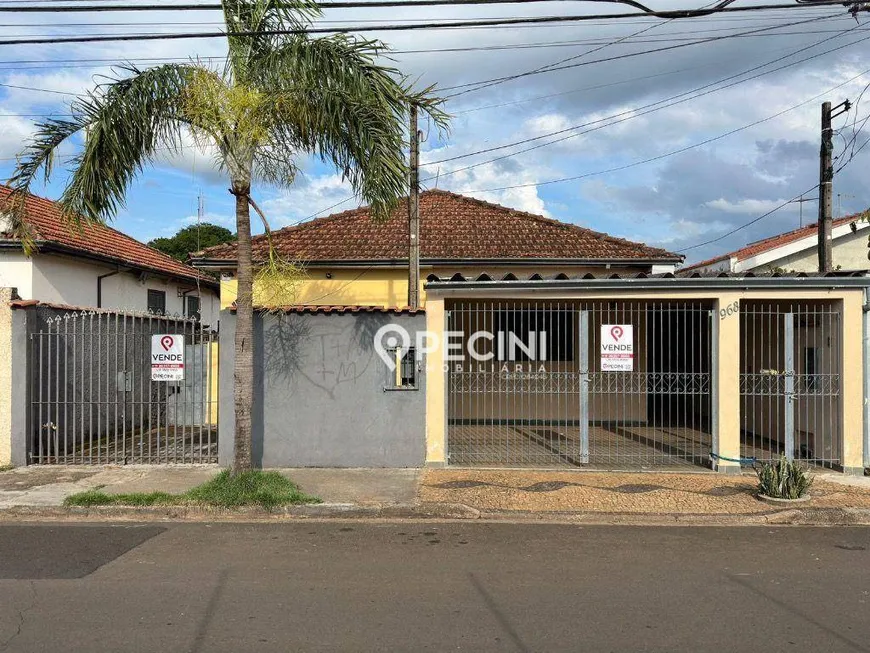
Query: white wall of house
{"points": [[16, 271], [848, 252], [67, 280]]}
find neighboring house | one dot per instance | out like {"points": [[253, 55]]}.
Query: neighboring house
{"points": [[351, 259], [796, 251], [95, 266]]}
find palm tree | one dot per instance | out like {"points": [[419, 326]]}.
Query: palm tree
{"points": [[280, 94]]}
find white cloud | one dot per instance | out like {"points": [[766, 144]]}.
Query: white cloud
{"points": [[744, 206]]}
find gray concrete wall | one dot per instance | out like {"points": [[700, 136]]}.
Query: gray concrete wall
{"points": [[319, 398]]}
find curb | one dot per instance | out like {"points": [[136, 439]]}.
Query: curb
{"points": [[436, 511], [205, 513]]}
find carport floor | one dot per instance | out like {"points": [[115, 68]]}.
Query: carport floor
{"points": [[610, 446]]}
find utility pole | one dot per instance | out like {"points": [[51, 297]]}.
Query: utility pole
{"points": [[826, 181], [414, 215]]}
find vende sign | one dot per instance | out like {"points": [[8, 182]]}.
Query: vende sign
{"points": [[167, 358], [617, 348]]}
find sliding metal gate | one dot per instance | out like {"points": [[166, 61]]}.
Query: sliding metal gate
{"points": [[790, 381], [561, 397], [92, 400]]}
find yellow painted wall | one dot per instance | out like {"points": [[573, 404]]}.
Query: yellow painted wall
{"points": [[385, 286], [5, 377]]}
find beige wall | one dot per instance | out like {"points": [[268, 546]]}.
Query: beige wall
{"points": [[5, 377]]}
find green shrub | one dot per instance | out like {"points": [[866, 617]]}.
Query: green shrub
{"points": [[783, 479]]}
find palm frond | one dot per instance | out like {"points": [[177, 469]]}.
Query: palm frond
{"points": [[332, 98], [261, 16], [123, 123]]}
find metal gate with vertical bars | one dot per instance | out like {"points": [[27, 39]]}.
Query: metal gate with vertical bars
{"points": [[790, 381], [92, 400], [549, 402]]}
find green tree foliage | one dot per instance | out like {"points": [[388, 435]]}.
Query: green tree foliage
{"points": [[281, 94], [192, 239]]}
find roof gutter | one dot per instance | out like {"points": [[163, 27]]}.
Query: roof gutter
{"points": [[204, 263], [655, 283]]}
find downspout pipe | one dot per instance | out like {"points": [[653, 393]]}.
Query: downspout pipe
{"points": [[100, 285], [865, 333]]}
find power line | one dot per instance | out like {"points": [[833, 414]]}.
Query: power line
{"points": [[643, 110], [623, 56], [352, 4], [673, 152], [772, 211], [691, 13], [59, 63]]}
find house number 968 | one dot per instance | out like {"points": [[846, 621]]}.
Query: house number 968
{"points": [[728, 311]]}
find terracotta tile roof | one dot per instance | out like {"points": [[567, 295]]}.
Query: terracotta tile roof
{"points": [[315, 309], [98, 240], [767, 244], [452, 227]]}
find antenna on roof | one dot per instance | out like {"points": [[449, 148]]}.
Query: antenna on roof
{"points": [[437, 176], [800, 202]]}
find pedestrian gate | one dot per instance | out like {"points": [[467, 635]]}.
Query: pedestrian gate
{"points": [[607, 383], [92, 400], [790, 381]]}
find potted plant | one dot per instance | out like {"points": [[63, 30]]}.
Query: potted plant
{"points": [[783, 481]]}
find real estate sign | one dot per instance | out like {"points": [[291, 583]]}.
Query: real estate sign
{"points": [[617, 348], [167, 357]]}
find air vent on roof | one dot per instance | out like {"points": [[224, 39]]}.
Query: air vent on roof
{"points": [[509, 277], [536, 277]]}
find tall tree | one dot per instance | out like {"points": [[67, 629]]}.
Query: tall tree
{"points": [[192, 239], [281, 94]]}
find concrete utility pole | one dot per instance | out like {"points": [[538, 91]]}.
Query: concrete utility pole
{"points": [[414, 215], [826, 182]]}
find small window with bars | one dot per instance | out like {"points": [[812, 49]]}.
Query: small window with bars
{"points": [[192, 307], [156, 302], [402, 376]]}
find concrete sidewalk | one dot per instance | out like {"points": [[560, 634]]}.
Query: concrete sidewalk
{"points": [[38, 492], [44, 486]]}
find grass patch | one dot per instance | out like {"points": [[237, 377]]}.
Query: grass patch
{"points": [[5, 468], [255, 488], [97, 497]]}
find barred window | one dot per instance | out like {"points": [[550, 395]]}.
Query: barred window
{"points": [[403, 376]]}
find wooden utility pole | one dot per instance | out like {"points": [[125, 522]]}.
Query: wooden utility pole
{"points": [[826, 182], [414, 215]]}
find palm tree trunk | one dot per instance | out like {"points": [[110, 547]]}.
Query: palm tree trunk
{"points": [[243, 369]]}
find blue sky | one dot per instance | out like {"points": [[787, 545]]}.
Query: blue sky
{"points": [[681, 196]]}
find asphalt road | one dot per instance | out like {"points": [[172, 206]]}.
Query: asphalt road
{"points": [[330, 586]]}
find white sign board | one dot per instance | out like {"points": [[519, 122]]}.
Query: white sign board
{"points": [[617, 348], [167, 357]]}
